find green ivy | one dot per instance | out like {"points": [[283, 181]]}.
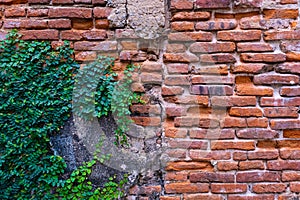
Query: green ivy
{"points": [[36, 91]]}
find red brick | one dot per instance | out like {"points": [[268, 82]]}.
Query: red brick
{"points": [[230, 122], [216, 25], [178, 68], [290, 154], [263, 57], [186, 187], [71, 35], [59, 23], [248, 89], [245, 112], [239, 35], [281, 13], [217, 58], [188, 99], [190, 36], [285, 124], [263, 155], [292, 45], [102, 24], [38, 1], [293, 68], [210, 69], [203, 155], [15, 12], [31, 12], [233, 101], [175, 90], [147, 121], [259, 47], [295, 187], [240, 145], [276, 79], [96, 46], [202, 197], [291, 133], [240, 155], [101, 2], [191, 16], [293, 56], [175, 111], [282, 35], [249, 4], [281, 112], [102, 12], [228, 188], [176, 176], [257, 122], [145, 109], [213, 4], [205, 47], [200, 79], [180, 57], [283, 165], [211, 90], [247, 165], [182, 26], [62, 1], [269, 188], [288, 1], [82, 24], [151, 78], [288, 143], [71, 12], [179, 166], [196, 121], [187, 144], [39, 34], [85, 56], [95, 35], [227, 166], [252, 197], [149, 66], [176, 153], [257, 133], [176, 48], [176, 133], [251, 68], [248, 177], [182, 4], [177, 80], [28, 24], [211, 177], [271, 101], [290, 176]]}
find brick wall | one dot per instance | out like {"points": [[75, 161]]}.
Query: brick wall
{"points": [[221, 84]]}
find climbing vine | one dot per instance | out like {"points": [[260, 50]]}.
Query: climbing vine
{"points": [[36, 91]]}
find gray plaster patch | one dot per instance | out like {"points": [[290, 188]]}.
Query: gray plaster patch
{"points": [[146, 18]]}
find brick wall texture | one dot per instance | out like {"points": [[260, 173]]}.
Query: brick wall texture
{"points": [[221, 82]]}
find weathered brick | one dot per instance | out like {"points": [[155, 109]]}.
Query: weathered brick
{"points": [[251, 68], [288, 1], [202, 197], [252, 197], [263, 155], [230, 122], [190, 36], [256, 22], [285, 124], [248, 165], [151, 78], [293, 68], [205, 47], [240, 145], [178, 68], [176, 176], [233, 101], [245, 112], [82, 24], [179, 166], [59, 23], [263, 57], [295, 187], [283, 165], [182, 26], [186, 187], [290, 176], [95, 35], [15, 12], [191, 16], [293, 56], [211, 90], [226, 166], [217, 58], [62, 1], [38, 1], [203, 155], [47, 34], [257, 122], [96, 46], [176, 48], [169, 91], [290, 153], [281, 112], [85, 56], [210, 69], [102, 24], [271, 101], [145, 109], [216, 25], [200, 79], [31, 12], [133, 55], [239, 35], [259, 47], [180, 57], [174, 80], [188, 99], [291, 133], [249, 3], [147, 121], [182, 4], [211, 134], [176, 153], [71, 12], [213, 4], [240, 155], [282, 35], [176, 132], [211, 177], [71, 35], [257, 133], [175, 111], [228, 188], [102, 12], [281, 13], [248, 177], [276, 79], [196, 121], [245, 87], [269, 188]]}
